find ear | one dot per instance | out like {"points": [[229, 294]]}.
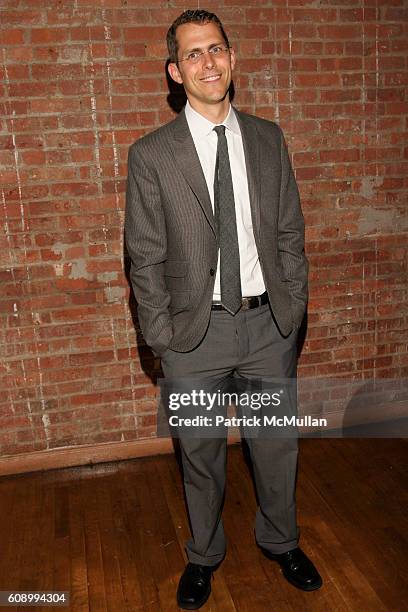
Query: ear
{"points": [[174, 72], [233, 58]]}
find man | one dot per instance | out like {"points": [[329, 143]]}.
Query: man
{"points": [[215, 234]]}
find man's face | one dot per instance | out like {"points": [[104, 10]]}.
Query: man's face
{"points": [[206, 83]]}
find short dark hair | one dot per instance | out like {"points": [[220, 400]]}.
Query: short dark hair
{"points": [[190, 16]]}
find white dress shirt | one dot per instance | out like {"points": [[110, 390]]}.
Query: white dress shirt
{"points": [[205, 141]]}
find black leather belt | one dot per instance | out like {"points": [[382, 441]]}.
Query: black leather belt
{"points": [[247, 302]]}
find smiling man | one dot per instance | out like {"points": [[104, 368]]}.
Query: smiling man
{"points": [[215, 234], [204, 70]]}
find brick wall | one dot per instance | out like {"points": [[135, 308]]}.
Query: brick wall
{"points": [[80, 82]]}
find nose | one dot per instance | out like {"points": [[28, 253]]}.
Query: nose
{"points": [[208, 59]]}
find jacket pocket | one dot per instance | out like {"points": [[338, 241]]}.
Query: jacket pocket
{"points": [[175, 269], [179, 301]]}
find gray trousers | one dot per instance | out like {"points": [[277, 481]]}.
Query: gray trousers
{"points": [[247, 345]]}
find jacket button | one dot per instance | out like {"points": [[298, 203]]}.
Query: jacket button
{"points": [[212, 271]]}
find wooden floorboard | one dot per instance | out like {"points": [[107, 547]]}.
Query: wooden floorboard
{"points": [[113, 534]]}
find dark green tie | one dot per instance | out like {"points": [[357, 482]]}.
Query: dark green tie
{"points": [[224, 207]]}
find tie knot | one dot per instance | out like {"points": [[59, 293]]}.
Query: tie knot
{"points": [[220, 129]]}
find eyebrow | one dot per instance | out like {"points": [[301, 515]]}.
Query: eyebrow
{"points": [[198, 49]]}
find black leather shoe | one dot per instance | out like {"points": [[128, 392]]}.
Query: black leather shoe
{"points": [[297, 569], [195, 586]]}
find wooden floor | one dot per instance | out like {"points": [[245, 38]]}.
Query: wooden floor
{"points": [[113, 534]]}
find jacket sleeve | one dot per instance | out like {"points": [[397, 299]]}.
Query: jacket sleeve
{"points": [[145, 232], [291, 242]]}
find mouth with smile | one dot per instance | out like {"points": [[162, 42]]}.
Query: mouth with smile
{"points": [[211, 79]]}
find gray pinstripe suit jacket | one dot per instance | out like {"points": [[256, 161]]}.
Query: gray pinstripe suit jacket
{"points": [[171, 236]]}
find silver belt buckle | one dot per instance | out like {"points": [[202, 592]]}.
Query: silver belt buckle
{"points": [[245, 303]]}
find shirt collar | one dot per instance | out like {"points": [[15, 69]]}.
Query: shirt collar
{"points": [[200, 127]]}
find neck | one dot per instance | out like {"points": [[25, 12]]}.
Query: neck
{"points": [[215, 113]]}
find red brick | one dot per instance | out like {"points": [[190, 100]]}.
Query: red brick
{"points": [[312, 48], [341, 63], [339, 31], [304, 64], [358, 14], [47, 35], [341, 155], [26, 17], [320, 79], [145, 33], [322, 15], [11, 37]]}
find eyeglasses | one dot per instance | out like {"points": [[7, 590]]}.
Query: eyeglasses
{"points": [[195, 56]]}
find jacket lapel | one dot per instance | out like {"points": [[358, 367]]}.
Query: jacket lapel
{"points": [[188, 162], [250, 141]]}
